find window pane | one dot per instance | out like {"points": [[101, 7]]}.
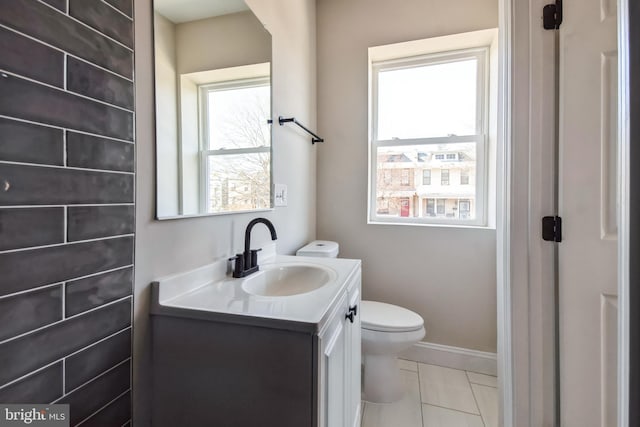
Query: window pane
{"points": [[239, 182], [238, 117], [444, 176], [428, 101], [426, 177], [444, 197], [405, 177], [430, 207]]}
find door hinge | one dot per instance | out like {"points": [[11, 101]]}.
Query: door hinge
{"points": [[552, 228], [552, 15]]}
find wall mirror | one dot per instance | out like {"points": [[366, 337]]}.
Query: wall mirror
{"points": [[213, 103]]}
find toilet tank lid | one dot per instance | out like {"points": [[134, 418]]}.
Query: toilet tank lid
{"points": [[379, 316], [320, 248]]}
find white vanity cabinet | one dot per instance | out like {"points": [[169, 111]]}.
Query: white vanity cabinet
{"points": [[339, 362], [273, 362]]}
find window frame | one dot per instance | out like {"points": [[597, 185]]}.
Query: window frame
{"points": [[204, 152], [443, 181], [480, 138], [405, 177], [433, 207], [464, 174], [426, 176]]}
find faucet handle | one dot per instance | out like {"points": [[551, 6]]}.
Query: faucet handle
{"points": [[254, 257], [238, 268]]}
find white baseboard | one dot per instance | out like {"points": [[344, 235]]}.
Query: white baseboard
{"points": [[453, 357]]}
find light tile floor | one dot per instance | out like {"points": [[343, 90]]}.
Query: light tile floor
{"points": [[438, 397]]}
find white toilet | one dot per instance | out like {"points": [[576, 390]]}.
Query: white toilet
{"points": [[387, 330]]}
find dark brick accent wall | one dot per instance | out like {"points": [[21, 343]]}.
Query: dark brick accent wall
{"points": [[67, 171]]}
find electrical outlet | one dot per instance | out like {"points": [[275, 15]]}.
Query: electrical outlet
{"points": [[280, 193]]}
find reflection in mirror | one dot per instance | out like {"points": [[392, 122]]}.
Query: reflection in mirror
{"points": [[213, 102]]}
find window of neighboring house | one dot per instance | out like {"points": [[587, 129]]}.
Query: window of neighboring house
{"points": [[431, 207], [387, 176], [426, 110], [444, 177], [404, 177], [426, 177], [464, 177], [235, 158]]}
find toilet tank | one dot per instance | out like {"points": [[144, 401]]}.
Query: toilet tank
{"points": [[320, 249]]}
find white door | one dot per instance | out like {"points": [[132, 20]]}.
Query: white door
{"points": [[587, 205]]}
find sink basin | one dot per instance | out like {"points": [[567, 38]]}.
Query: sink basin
{"points": [[286, 280]]}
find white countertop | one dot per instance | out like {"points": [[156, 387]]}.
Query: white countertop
{"points": [[209, 293]]}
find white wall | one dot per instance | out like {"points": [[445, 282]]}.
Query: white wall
{"points": [[221, 42], [166, 247], [448, 275]]}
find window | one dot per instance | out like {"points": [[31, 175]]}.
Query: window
{"points": [[426, 177], [404, 177], [387, 176], [235, 160], [444, 177], [431, 111], [464, 177], [430, 207]]}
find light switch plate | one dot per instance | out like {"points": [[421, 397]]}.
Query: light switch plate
{"points": [[280, 192]]}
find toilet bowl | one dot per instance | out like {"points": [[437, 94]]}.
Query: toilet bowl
{"points": [[387, 330]]}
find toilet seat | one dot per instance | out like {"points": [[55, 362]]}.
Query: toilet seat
{"points": [[382, 317]]}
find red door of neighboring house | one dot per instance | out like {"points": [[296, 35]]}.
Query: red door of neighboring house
{"points": [[404, 207]]}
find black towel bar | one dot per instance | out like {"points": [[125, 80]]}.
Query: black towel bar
{"points": [[315, 138]]}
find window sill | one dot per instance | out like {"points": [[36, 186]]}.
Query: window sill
{"points": [[433, 224]]}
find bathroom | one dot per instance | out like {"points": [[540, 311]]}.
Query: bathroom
{"points": [[81, 242]]}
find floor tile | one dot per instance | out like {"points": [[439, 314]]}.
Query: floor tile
{"points": [[487, 398], [435, 416], [482, 379], [446, 387], [408, 365], [404, 413]]}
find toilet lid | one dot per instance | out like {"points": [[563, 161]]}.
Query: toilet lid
{"points": [[379, 316]]}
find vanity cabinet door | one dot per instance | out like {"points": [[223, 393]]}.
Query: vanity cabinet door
{"points": [[354, 350], [340, 350], [333, 369]]}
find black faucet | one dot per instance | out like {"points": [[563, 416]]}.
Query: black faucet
{"points": [[247, 262]]}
